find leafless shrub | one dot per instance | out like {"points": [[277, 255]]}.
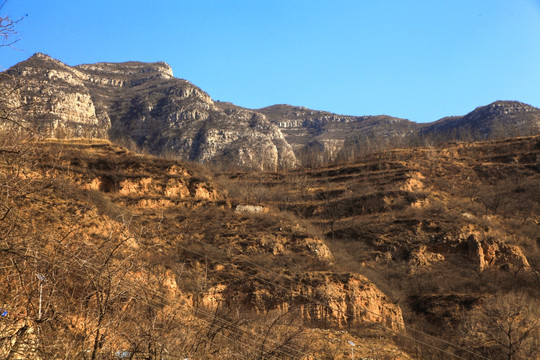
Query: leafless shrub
{"points": [[505, 327]]}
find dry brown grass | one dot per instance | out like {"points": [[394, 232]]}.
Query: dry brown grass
{"points": [[373, 218]]}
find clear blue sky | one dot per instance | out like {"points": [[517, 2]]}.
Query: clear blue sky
{"points": [[416, 59]]}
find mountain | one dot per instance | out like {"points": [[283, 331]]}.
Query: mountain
{"points": [[318, 136], [496, 120], [144, 106], [141, 104]]}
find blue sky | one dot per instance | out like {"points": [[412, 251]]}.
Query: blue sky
{"points": [[415, 59]]}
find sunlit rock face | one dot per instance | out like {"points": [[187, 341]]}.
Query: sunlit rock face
{"points": [[336, 300], [51, 97], [139, 104]]}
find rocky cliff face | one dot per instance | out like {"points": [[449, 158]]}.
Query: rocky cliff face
{"points": [[322, 299], [489, 252], [345, 300], [52, 98], [144, 105]]}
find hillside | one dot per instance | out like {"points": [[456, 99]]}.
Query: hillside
{"points": [[449, 233], [319, 137], [106, 251], [143, 106], [158, 259]]}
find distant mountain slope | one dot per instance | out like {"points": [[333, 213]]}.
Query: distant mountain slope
{"points": [[145, 105], [310, 130], [496, 120]]}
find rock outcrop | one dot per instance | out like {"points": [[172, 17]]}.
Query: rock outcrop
{"points": [[488, 252], [51, 97], [345, 300], [322, 299], [20, 340]]}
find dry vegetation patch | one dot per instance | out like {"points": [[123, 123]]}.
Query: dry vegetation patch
{"points": [[154, 257]]}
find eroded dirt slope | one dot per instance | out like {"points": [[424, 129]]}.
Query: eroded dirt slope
{"points": [[134, 253]]}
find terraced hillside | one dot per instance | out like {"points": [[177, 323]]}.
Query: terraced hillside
{"points": [[445, 232], [415, 253]]}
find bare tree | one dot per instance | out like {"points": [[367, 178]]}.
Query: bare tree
{"points": [[506, 327], [7, 28]]}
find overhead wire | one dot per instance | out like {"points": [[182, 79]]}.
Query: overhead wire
{"points": [[233, 325], [277, 349], [212, 316], [222, 320]]}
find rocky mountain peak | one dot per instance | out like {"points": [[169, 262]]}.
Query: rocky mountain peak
{"points": [[496, 120], [501, 108], [39, 64], [42, 56]]}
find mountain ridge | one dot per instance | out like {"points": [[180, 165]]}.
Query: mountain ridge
{"points": [[144, 105]]}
